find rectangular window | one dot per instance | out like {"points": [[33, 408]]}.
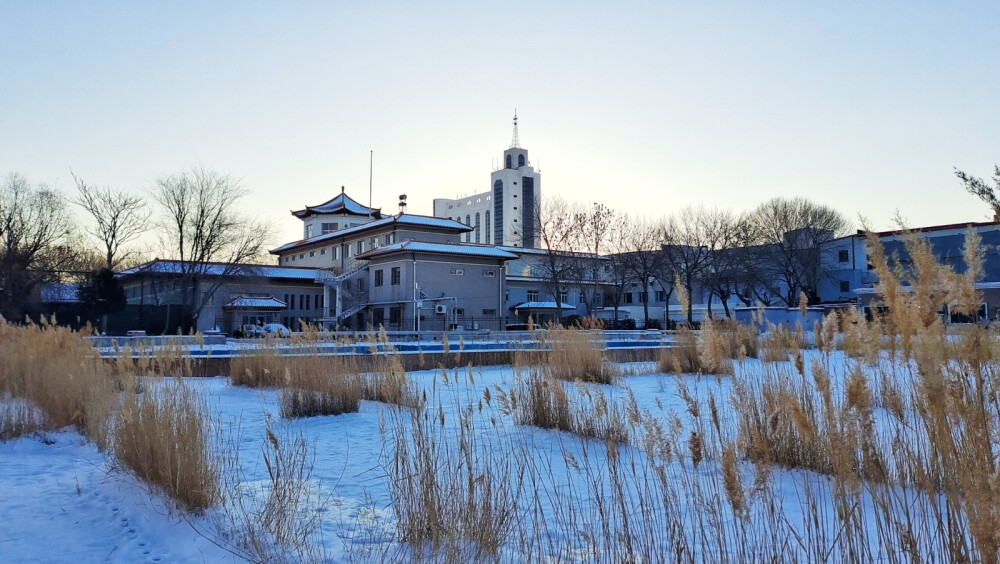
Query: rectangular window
{"points": [[322, 251], [395, 317], [361, 247], [394, 273], [378, 277], [312, 253], [288, 303], [307, 296], [336, 253], [302, 255], [628, 297], [390, 238], [374, 243], [457, 272], [489, 312], [845, 286], [361, 284], [843, 255], [309, 231], [302, 301], [329, 228], [661, 296], [532, 295], [459, 311], [378, 317], [490, 273], [643, 296], [563, 297]]}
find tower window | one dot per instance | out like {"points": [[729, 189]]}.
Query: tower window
{"points": [[520, 160], [508, 162]]}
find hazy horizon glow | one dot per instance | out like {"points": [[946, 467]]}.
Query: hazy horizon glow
{"points": [[645, 107]]}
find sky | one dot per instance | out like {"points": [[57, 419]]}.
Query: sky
{"points": [[645, 107]]}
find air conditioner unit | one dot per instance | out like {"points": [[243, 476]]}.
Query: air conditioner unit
{"points": [[441, 309]]}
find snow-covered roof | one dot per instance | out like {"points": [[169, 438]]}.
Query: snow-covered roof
{"points": [[443, 248], [541, 305], [531, 251], [401, 219], [261, 302], [342, 204], [161, 266]]}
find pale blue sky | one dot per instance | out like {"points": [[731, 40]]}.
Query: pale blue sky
{"points": [[646, 107]]}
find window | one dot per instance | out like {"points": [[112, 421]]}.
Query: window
{"points": [[309, 230], [336, 253], [394, 273], [390, 238], [459, 311], [374, 242], [843, 255], [395, 317], [490, 273], [488, 226], [532, 295], [643, 296], [628, 297], [378, 317], [329, 228], [302, 255], [509, 162], [489, 312], [361, 247], [302, 301], [661, 296], [456, 271], [312, 253], [520, 160], [378, 277], [563, 297], [477, 227], [361, 284], [322, 251], [319, 301], [289, 304], [307, 297], [845, 286]]}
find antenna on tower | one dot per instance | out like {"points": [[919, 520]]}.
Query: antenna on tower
{"points": [[514, 143]]}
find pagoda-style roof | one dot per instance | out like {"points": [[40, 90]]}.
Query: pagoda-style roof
{"points": [[342, 204]]}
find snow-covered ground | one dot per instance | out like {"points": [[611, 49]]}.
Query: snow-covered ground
{"points": [[60, 501]]}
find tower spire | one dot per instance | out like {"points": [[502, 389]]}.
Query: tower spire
{"points": [[514, 143]]}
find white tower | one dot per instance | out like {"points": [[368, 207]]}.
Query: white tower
{"points": [[505, 215], [516, 189]]}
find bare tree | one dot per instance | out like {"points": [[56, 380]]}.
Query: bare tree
{"points": [[645, 258], [34, 225], [793, 232], [980, 189], [119, 218], [618, 271], [695, 234], [596, 224], [559, 236], [206, 231], [731, 271]]}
